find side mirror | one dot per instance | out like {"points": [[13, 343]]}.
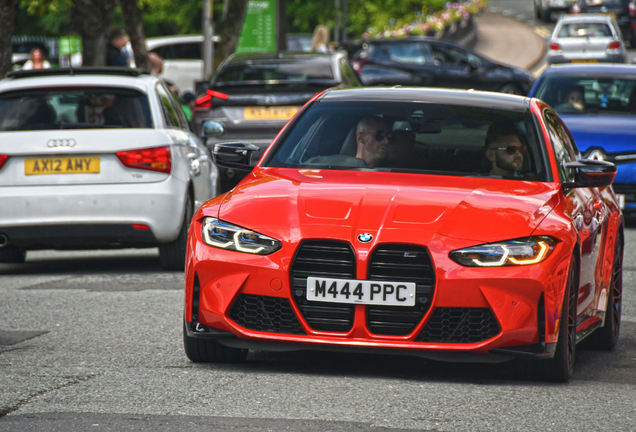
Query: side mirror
{"points": [[211, 128], [591, 173], [236, 154], [474, 64]]}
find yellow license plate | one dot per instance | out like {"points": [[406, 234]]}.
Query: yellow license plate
{"points": [[270, 113], [584, 61], [61, 165]]}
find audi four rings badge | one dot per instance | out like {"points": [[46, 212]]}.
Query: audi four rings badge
{"points": [[61, 143]]}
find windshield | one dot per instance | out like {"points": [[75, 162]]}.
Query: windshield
{"points": [[74, 108], [413, 138], [303, 69], [582, 94]]}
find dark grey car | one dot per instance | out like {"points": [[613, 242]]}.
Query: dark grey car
{"points": [[252, 96]]}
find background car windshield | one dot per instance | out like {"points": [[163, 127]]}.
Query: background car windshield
{"points": [[293, 70], [437, 139], [74, 108], [585, 30], [599, 95]]}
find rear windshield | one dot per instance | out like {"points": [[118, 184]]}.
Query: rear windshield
{"points": [[574, 30], [585, 94], [298, 70], [420, 138], [74, 108]]}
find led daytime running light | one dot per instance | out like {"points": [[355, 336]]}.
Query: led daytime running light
{"points": [[544, 250], [501, 262]]}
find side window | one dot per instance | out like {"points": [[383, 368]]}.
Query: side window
{"points": [[409, 53], [449, 56], [188, 51], [563, 147], [169, 113]]}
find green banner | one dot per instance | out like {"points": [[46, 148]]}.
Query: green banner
{"points": [[70, 45], [259, 28]]}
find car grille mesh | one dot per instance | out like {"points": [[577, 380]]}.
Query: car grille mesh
{"points": [[323, 258], [459, 325], [400, 263], [267, 314]]}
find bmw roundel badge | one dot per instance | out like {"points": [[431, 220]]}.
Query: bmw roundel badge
{"points": [[365, 238]]}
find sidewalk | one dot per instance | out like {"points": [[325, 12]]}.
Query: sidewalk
{"points": [[509, 41]]}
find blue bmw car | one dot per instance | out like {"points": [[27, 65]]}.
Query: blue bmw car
{"points": [[597, 102]]}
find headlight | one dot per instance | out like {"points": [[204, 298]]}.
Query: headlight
{"points": [[518, 252], [224, 235]]}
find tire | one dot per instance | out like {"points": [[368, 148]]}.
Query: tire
{"points": [[172, 254], [561, 367], [12, 255], [210, 351], [606, 337], [511, 89]]}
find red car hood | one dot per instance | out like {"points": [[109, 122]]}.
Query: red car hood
{"points": [[293, 204]]}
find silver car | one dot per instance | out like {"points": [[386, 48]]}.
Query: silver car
{"points": [[96, 159], [586, 38]]}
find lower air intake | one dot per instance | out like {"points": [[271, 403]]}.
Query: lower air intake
{"points": [[266, 314], [459, 325]]}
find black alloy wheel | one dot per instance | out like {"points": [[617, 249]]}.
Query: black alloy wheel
{"points": [[606, 337], [172, 254], [561, 367], [210, 351]]}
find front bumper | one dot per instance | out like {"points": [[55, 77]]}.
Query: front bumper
{"points": [[472, 314]]}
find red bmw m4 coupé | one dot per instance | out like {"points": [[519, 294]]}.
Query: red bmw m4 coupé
{"points": [[452, 225]]}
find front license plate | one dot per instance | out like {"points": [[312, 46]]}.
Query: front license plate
{"points": [[270, 113], [361, 291], [61, 165]]}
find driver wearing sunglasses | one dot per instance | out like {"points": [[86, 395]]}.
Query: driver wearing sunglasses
{"points": [[505, 149], [373, 135]]}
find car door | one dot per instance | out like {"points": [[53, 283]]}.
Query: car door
{"points": [[588, 212], [456, 68]]}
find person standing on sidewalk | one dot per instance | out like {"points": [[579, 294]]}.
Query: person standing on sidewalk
{"points": [[117, 40]]}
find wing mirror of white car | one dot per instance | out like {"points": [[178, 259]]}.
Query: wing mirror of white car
{"points": [[211, 128], [591, 173], [236, 154]]}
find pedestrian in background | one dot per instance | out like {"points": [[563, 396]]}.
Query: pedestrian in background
{"points": [[117, 40], [320, 39], [187, 101], [156, 63], [36, 61]]}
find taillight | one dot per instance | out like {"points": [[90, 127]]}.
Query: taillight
{"points": [[614, 45], [205, 102], [3, 159], [153, 159], [357, 64], [632, 9], [554, 46]]}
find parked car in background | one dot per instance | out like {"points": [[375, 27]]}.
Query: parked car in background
{"points": [[183, 58], [299, 41], [252, 96], [97, 159], [624, 11], [586, 38], [598, 105], [544, 9], [422, 61], [423, 251]]}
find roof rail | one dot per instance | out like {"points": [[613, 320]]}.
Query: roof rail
{"points": [[123, 71]]}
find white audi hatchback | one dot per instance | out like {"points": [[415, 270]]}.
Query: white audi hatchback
{"points": [[97, 159]]}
